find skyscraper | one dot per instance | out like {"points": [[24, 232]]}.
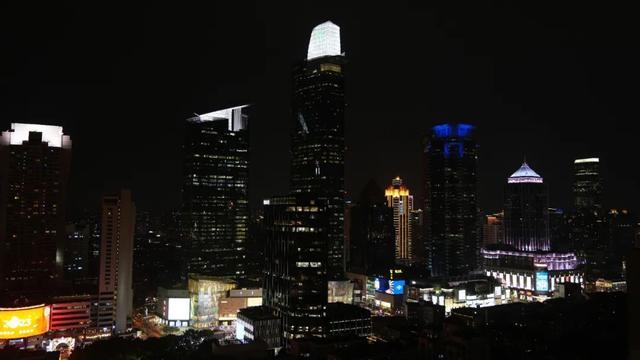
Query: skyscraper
{"points": [[524, 261], [34, 169], [115, 292], [372, 234], [451, 158], [526, 211], [588, 223], [317, 139], [295, 276], [418, 249], [215, 192], [399, 199], [493, 229], [587, 186]]}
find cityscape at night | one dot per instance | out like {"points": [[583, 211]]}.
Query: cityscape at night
{"points": [[320, 180]]}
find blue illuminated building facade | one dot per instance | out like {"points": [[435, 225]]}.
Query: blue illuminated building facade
{"points": [[451, 158]]}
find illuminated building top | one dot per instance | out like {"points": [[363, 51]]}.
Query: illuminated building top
{"points": [[232, 114], [525, 175], [396, 189], [452, 130], [324, 41], [587, 160], [52, 135]]}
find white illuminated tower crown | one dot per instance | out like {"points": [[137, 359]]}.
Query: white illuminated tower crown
{"points": [[525, 175], [324, 41]]}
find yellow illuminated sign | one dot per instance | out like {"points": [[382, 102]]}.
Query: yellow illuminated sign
{"points": [[23, 322]]}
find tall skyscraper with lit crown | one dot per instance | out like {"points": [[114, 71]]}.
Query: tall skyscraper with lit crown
{"points": [[401, 201], [526, 211], [215, 192], [587, 186], [451, 163], [317, 141], [34, 170]]}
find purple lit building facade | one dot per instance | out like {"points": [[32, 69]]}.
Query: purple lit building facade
{"points": [[524, 263]]}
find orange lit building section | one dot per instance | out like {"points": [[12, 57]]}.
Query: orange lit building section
{"points": [[401, 201], [24, 322]]}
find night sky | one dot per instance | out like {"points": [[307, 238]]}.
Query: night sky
{"points": [[551, 81]]}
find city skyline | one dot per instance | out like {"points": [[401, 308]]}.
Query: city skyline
{"points": [[456, 76], [243, 229]]}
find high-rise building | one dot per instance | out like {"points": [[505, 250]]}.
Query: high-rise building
{"points": [[493, 229], [115, 292], [524, 261], [526, 211], [450, 204], [401, 201], [558, 230], [418, 248], [620, 240], [587, 186], [371, 233], [588, 234], [34, 169], [215, 192], [317, 139], [295, 276]]}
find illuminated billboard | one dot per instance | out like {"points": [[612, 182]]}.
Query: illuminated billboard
{"points": [[393, 287], [396, 287], [381, 284], [179, 309], [542, 281], [23, 322]]}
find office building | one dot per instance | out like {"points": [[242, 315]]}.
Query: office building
{"points": [[295, 276], [526, 211], [588, 228], [401, 201], [346, 320], [317, 141], [236, 300], [493, 229], [371, 232], [115, 292], [34, 170], [259, 323], [524, 262], [71, 314], [559, 231], [215, 192], [418, 246], [450, 204], [587, 186]]}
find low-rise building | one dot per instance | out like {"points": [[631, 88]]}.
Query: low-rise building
{"points": [[235, 300], [259, 323], [346, 320]]}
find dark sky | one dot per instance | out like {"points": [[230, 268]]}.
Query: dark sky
{"points": [[549, 80]]}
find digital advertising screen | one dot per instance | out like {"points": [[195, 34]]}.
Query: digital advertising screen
{"points": [[396, 287], [381, 284], [542, 281], [23, 322], [179, 309]]}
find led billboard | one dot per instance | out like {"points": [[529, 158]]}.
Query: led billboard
{"points": [[179, 309], [23, 322], [396, 287], [542, 281], [393, 287], [381, 284]]}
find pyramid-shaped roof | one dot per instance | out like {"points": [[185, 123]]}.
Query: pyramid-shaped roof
{"points": [[525, 174]]}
